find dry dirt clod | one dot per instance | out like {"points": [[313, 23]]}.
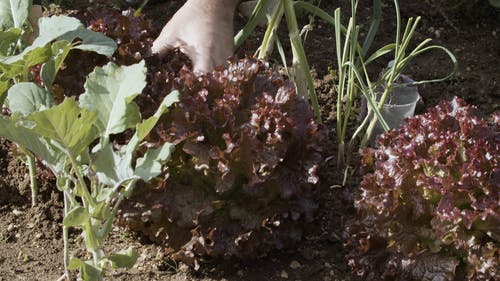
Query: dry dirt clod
{"points": [[11, 227], [284, 274], [17, 212], [295, 265]]}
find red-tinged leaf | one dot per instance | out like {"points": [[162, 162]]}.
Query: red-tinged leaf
{"points": [[432, 186]]}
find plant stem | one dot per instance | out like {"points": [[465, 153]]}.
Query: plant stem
{"points": [[257, 15], [31, 160], [138, 12], [65, 233], [86, 197], [300, 56], [268, 39], [375, 22]]}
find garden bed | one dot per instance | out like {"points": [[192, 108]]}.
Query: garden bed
{"points": [[31, 238]]}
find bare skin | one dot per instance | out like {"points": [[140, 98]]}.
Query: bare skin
{"points": [[203, 30]]}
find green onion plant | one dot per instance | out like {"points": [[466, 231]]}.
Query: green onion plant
{"points": [[352, 61], [299, 72]]}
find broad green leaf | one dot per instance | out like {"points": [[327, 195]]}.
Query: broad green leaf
{"points": [[100, 210], [88, 271], [8, 40], [110, 91], [54, 27], [92, 242], [75, 263], [13, 13], [151, 164], [67, 124], [91, 41], [69, 29], [13, 65], [60, 51], [124, 259], [112, 167], [37, 55], [44, 149], [104, 194], [79, 216], [27, 97], [143, 129]]}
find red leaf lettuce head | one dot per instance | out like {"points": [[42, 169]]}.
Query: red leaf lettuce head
{"points": [[429, 205], [243, 178], [244, 175]]}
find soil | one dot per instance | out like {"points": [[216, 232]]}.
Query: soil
{"points": [[30, 237]]}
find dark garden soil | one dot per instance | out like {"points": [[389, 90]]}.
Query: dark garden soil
{"points": [[30, 238]]}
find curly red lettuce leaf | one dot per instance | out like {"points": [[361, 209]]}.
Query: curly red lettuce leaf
{"points": [[429, 203], [243, 179]]}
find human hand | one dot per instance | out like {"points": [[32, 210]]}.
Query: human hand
{"points": [[203, 30]]}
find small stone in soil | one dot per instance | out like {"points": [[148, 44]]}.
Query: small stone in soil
{"points": [[17, 212], [11, 227], [284, 274], [295, 265]]}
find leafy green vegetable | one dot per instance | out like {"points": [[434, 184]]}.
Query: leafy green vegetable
{"points": [[124, 259], [8, 40], [27, 97], [63, 136], [68, 29], [112, 89], [13, 13], [39, 63], [79, 216]]}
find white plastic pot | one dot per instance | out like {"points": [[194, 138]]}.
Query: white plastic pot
{"points": [[400, 104]]}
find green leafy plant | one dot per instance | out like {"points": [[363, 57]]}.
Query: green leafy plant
{"points": [[73, 140], [299, 71], [353, 59], [428, 204], [248, 151], [58, 36], [402, 58]]}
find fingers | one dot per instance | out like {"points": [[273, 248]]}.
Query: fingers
{"points": [[202, 63], [201, 30], [164, 43]]}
